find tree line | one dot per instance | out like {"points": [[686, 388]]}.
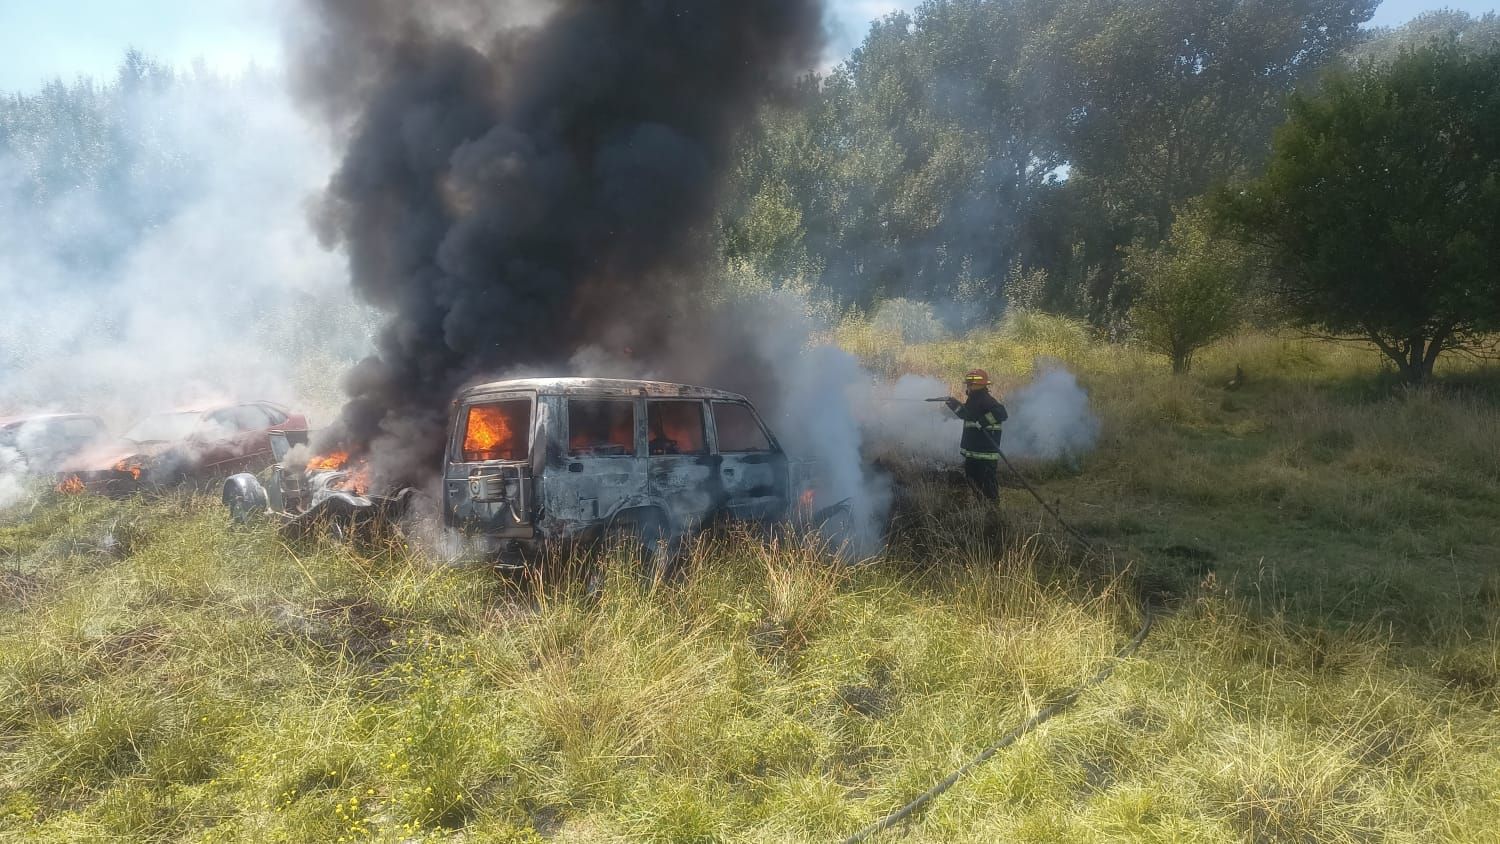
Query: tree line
{"points": [[1163, 168]]}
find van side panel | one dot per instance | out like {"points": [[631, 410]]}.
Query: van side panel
{"points": [[586, 482], [752, 468], [684, 473]]}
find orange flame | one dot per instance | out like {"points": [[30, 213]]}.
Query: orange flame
{"points": [[676, 428], [336, 460], [71, 485], [131, 469], [357, 478], [357, 481], [487, 435]]}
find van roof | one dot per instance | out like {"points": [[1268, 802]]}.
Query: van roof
{"points": [[616, 387]]}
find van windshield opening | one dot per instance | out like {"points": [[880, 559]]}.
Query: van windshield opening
{"points": [[498, 430]]}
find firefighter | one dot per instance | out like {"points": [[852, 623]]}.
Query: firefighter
{"points": [[982, 414]]}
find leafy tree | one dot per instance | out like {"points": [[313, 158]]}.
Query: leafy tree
{"points": [[910, 162], [976, 141], [1435, 28], [1192, 288], [1167, 98], [104, 146], [1380, 208]]}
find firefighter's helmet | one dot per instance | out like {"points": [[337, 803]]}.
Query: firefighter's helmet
{"points": [[977, 378]]}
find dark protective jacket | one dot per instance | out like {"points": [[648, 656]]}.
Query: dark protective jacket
{"points": [[982, 414]]}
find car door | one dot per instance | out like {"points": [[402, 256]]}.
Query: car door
{"points": [[603, 470], [752, 469], [292, 427], [684, 473], [253, 440], [249, 447], [487, 478], [212, 448]]}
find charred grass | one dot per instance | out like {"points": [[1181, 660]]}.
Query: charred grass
{"points": [[1328, 670]]}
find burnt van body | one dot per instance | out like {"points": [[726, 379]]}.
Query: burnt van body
{"points": [[547, 462], [539, 461]]}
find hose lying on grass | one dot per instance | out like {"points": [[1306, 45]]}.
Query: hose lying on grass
{"points": [[1065, 700]]}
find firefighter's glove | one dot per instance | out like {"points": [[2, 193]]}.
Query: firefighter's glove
{"points": [[954, 404]]}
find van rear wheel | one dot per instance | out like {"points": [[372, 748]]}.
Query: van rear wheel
{"points": [[644, 543]]}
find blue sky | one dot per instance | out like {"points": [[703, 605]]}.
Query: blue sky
{"points": [[46, 39]]}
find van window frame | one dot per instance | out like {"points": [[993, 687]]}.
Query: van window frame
{"points": [[703, 422], [460, 424], [771, 445], [636, 419]]}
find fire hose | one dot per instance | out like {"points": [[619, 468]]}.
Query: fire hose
{"points": [[1062, 701]]}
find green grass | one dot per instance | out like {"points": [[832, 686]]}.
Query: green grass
{"points": [[1330, 670]]}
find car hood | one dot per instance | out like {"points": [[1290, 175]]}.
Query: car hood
{"points": [[105, 457]]}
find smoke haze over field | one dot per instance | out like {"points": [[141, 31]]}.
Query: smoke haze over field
{"points": [[521, 188], [156, 252], [185, 273]]}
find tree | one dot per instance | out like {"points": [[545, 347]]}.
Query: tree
{"points": [[1192, 286], [1380, 208], [1166, 99], [1435, 28], [970, 141], [907, 164]]}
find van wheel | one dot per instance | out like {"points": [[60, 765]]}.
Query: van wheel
{"points": [[241, 508], [835, 529], [646, 546]]}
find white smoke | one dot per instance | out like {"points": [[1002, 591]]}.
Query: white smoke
{"points": [[205, 302], [826, 407], [12, 490], [15, 442], [1050, 420], [820, 389], [900, 422], [812, 394], [194, 279]]}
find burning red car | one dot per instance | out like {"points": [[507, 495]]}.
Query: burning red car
{"points": [[169, 449]]}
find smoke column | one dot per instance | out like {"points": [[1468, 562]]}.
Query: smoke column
{"points": [[523, 180]]}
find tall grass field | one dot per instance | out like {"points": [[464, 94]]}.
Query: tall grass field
{"points": [[1323, 548]]}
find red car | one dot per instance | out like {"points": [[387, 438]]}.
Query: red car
{"points": [[169, 449]]}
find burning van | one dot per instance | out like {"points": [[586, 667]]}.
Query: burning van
{"points": [[543, 462]]}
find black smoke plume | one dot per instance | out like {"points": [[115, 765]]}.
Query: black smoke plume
{"points": [[511, 192]]}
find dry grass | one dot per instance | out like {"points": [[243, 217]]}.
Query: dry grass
{"points": [[1330, 672]]}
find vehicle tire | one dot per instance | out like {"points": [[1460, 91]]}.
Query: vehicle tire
{"points": [[645, 544], [835, 529], [241, 509], [245, 498]]}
